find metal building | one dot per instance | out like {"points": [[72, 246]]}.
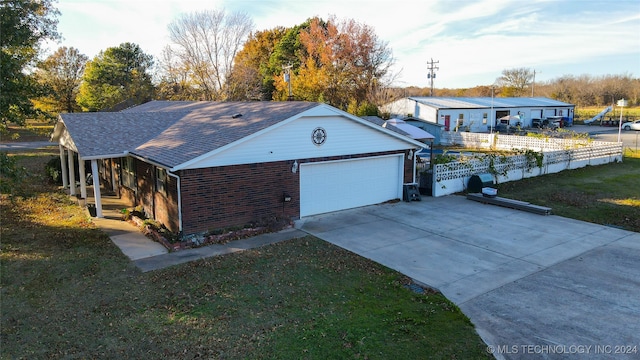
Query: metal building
{"points": [[482, 114]]}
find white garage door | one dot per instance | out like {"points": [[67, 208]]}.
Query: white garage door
{"points": [[345, 184]]}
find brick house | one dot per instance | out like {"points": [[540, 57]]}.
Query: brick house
{"points": [[198, 166]]}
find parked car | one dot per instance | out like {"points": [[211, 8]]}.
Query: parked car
{"points": [[550, 122], [556, 122], [632, 125]]}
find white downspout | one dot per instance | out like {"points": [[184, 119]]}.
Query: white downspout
{"points": [[72, 173], [96, 188], [63, 163], [179, 199], [414, 166]]}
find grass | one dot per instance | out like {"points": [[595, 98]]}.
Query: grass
{"points": [[33, 130], [68, 292], [587, 112], [607, 194]]}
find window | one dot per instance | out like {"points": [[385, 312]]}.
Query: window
{"points": [[129, 173], [484, 118], [161, 180], [461, 116]]}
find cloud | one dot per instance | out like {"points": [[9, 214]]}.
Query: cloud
{"points": [[473, 40]]}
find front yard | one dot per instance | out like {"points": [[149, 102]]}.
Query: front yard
{"points": [[68, 292]]}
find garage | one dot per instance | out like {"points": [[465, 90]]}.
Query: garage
{"points": [[344, 184]]}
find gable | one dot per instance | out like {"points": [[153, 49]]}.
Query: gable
{"points": [[293, 140]]}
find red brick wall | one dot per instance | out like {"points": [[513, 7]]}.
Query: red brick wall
{"points": [[145, 184], [166, 206], [214, 198], [408, 168]]}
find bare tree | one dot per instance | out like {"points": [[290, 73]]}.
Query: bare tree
{"points": [[206, 44], [515, 81]]}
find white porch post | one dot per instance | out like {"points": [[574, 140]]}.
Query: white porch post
{"points": [[96, 187], [114, 184], [63, 162], [83, 178], [72, 173]]}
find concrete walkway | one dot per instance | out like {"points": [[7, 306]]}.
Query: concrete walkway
{"points": [[149, 255], [522, 279], [184, 256]]}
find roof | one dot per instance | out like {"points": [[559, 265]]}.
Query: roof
{"points": [[413, 131], [171, 133], [211, 125], [486, 102], [99, 134]]}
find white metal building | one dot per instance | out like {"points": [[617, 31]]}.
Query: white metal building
{"points": [[478, 114]]}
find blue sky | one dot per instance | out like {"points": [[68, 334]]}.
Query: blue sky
{"points": [[472, 40]]}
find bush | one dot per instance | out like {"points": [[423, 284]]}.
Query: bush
{"points": [[53, 169], [11, 175]]}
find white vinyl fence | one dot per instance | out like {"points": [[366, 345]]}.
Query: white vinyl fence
{"points": [[546, 156]]}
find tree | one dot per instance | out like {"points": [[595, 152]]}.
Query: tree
{"points": [[252, 77], [515, 81], [24, 25], [341, 62], [174, 83], [206, 44], [61, 73], [114, 76]]}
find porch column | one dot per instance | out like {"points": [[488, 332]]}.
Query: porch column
{"points": [[114, 184], [83, 178], [63, 163], [72, 173], [96, 187]]}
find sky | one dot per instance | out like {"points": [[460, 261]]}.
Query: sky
{"points": [[472, 41]]}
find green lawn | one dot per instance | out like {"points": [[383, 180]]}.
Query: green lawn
{"points": [[68, 292], [607, 194]]}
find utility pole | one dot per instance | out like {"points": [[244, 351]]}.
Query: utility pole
{"points": [[432, 75], [287, 79], [533, 84]]}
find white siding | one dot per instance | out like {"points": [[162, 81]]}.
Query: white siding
{"points": [[293, 141]]}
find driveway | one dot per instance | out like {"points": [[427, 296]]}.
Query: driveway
{"points": [[534, 286]]}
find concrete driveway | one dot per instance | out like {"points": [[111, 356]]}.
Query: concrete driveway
{"points": [[534, 286]]}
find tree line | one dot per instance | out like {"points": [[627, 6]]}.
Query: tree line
{"points": [[216, 55], [583, 90]]}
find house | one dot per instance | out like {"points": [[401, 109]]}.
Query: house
{"points": [[199, 166], [479, 114]]}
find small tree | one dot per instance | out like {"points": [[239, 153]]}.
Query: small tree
{"points": [[61, 74]]}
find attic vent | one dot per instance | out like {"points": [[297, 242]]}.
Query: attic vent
{"points": [[235, 116]]}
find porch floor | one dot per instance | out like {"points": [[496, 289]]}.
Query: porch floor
{"points": [[131, 241]]}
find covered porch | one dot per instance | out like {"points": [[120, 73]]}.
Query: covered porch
{"points": [[104, 197]]}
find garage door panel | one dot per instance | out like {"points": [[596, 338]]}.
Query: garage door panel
{"points": [[338, 185]]}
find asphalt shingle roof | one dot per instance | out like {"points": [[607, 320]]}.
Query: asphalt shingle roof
{"points": [[174, 132]]}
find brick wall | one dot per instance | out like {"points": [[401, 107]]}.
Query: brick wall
{"points": [[408, 168], [215, 198], [146, 183], [166, 206], [236, 195]]}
